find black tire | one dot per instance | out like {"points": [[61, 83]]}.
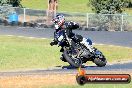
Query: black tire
{"points": [[81, 80], [99, 58], [100, 62], [71, 61], [62, 58]]}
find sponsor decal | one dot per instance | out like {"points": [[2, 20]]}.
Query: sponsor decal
{"points": [[83, 78]]}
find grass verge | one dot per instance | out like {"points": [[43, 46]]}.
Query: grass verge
{"points": [[64, 5], [95, 86], [25, 53], [21, 53]]}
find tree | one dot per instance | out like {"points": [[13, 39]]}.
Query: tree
{"points": [[3, 2], [112, 22], [129, 3], [5, 10], [107, 6], [14, 3]]}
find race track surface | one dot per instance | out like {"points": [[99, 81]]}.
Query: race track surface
{"points": [[115, 68], [101, 37]]}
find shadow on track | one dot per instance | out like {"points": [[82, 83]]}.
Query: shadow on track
{"points": [[72, 67], [118, 66]]}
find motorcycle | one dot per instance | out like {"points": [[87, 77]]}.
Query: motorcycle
{"points": [[77, 50]]}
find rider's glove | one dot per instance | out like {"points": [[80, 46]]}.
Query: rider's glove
{"points": [[53, 43]]}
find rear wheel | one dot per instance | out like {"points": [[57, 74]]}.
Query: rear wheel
{"points": [[76, 62]]}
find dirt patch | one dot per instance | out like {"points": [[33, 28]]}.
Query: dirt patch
{"points": [[46, 80], [36, 81]]}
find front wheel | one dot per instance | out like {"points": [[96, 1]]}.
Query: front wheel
{"points": [[99, 58], [100, 62], [76, 62]]}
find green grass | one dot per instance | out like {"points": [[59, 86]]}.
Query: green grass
{"points": [[35, 4], [19, 53], [64, 5], [93, 86], [24, 53], [74, 6], [97, 86]]}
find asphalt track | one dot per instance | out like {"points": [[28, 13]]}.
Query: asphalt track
{"points": [[103, 37], [100, 37], [115, 68]]}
